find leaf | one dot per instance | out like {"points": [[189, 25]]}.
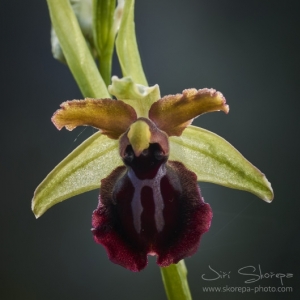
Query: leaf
{"points": [[81, 171], [127, 48], [175, 281], [75, 50], [214, 160]]}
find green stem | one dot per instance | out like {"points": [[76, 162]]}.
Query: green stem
{"points": [[105, 67], [104, 33], [175, 282]]}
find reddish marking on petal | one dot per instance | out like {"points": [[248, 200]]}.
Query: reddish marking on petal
{"points": [[117, 249], [113, 223], [123, 194], [189, 238], [171, 212], [193, 220]]}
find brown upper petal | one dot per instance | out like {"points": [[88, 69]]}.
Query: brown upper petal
{"points": [[173, 113], [112, 117]]}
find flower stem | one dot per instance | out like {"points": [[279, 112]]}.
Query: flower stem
{"points": [[104, 33], [175, 281], [105, 67]]}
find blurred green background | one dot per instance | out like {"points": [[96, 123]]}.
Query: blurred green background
{"points": [[248, 50]]}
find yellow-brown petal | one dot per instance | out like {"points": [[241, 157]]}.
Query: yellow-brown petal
{"points": [[112, 117], [173, 113]]}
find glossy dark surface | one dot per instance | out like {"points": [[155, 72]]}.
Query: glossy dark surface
{"points": [[153, 208]]}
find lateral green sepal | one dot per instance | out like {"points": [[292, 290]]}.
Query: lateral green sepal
{"points": [[214, 160], [81, 171]]}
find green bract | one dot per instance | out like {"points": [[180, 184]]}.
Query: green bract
{"points": [[75, 49], [82, 10], [126, 45]]}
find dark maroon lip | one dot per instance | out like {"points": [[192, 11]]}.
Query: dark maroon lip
{"points": [[162, 215]]}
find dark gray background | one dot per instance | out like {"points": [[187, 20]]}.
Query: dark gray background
{"points": [[249, 50]]}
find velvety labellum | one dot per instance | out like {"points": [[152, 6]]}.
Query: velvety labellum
{"points": [[150, 206]]}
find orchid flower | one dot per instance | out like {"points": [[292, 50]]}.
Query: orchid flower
{"points": [[146, 157]]}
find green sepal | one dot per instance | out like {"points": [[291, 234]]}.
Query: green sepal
{"points": [[81, 171], [127, 48], [75, 49], [175, 281], [138, 96], [214, 160], [104, 31]]}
